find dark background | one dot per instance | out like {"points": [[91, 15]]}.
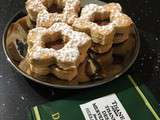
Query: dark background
{"points": [[18, 95]]}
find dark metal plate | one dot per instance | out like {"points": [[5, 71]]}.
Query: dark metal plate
{"points": [[127, 51]]}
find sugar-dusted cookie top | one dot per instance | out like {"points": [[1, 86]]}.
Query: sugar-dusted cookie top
{"points": [[76, 45], [51, 11]]}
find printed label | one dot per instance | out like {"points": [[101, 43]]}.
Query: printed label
{"points": [[105, 108]]}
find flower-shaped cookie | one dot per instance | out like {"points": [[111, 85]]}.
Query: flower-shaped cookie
{"points": [[104, 34], [61, 11], [62, 61]]}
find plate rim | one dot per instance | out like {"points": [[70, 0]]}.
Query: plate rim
{"points": [[136, 52]]}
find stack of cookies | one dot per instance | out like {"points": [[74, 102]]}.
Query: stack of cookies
{"points": [[64, 33]]}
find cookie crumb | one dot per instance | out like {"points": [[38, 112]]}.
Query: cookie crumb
{"points": [[22, 98]]}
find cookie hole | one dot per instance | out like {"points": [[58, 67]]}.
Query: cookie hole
{"points": [[55, 9], [58, 44], [54, 40], [102, 22], [101, 19]]}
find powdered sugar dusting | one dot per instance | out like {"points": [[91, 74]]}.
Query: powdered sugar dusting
{"points": [[34, 7], [40, 53], [112, 11], [69, 53], [38, 12]]}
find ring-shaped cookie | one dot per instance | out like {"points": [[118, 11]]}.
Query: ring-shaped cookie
{"points": [[69, 11], [104, 36], [68, 57]]}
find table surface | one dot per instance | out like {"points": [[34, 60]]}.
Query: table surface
{"points": [[18, 95]]}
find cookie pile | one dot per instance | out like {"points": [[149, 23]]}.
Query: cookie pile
{"points": [[64, 33]]}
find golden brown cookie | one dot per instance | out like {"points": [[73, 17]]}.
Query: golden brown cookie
{"points": [[66, 58], [104, 34], [39, 10]]}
